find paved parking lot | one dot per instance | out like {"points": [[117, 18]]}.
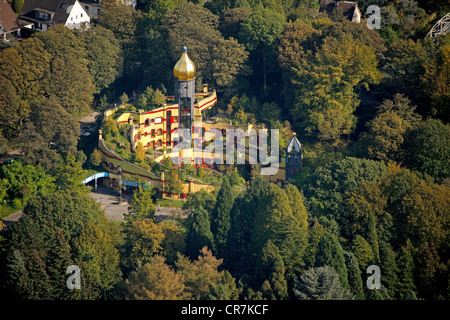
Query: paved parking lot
{"points": [[109, 200]]}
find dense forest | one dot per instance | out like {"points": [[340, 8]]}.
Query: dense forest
{"points": [[370, 107]]}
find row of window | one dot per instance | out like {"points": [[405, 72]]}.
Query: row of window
{"points": [[158, 120], [293, 159]]}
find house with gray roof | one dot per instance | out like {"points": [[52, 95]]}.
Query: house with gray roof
{"points": [[46, 13]]}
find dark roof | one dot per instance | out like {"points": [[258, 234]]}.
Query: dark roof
{"points": [[294, 145], [348, 8], [56, 8], [8, 18]]}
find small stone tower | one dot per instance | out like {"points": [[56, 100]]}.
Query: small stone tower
{"points": [[294, 157]]}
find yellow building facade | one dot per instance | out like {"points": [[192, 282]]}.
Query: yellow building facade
{"points": [[195, 113]]}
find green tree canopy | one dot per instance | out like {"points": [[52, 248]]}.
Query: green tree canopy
{"points": [[427, 149], [320, 283]]}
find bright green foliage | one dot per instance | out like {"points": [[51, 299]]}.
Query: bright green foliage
{"points": [[320, 283], [261, 28], [199, 199], [69, 174], [363, 252], [220, 217], [26, 181], [142, 206]]}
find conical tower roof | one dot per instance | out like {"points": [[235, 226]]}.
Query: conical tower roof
{"points": [[184, 69], [294, 145]]}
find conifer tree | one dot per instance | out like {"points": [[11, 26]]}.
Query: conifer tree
{"points": [[330, 253], [18, 277], [388, 263], [354, 275], [373, 237], [39, 277], [406, 270], [199, 234], [220, 217], [363, 252], [60, 258], [314, 235], [272, 268], [321, 283]]}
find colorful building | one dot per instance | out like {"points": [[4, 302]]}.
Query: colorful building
{"points": [[186, 128]]}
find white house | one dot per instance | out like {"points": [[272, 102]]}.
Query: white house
{"points": [[45, 13]]}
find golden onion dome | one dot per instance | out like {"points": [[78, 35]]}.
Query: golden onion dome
{"points": [[185, 68]]}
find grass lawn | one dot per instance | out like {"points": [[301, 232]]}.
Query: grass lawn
{"points": [[9, 208], [174, 203]]}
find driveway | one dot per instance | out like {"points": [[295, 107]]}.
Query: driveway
{"points": [[109, 201]]}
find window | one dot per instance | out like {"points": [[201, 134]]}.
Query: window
{"points": [[159, 131], [147, 122], [81, 15]]}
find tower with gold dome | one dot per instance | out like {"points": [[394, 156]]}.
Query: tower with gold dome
{"points": [[184, 73]]}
